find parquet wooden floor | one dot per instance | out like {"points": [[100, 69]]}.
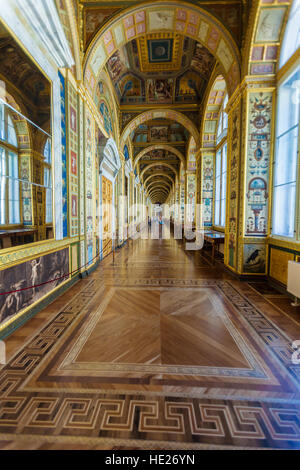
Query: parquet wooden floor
{"points": [[157, 350]]}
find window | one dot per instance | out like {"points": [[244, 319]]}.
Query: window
{"points": [[221, 168], [220, 186], [9, 170], [286, 157], [291, 40], [223, 121], [48, 181]]}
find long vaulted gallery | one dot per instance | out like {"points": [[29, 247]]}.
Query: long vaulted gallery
{"points": [[149, 224]]}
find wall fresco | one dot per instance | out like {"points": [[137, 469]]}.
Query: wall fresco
{"points": [[31, 273], [89, 182], [208, 188], [258, 162]]}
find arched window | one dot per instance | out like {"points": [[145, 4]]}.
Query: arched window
{"points": [[223, 121], [48, 181], [286, 178], [9, 170], [221, 167]]}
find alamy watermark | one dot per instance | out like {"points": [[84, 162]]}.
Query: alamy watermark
{"points": [[155, 222], [296, 353]]}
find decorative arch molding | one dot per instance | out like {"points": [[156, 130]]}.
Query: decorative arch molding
{"points": [[158, 114], [111, 161], [167, 16], [128, 167], [159, 197], [107, 96], [158, 192], [261, 50], [160, 188], [158, 163], [162, 182], [166, 147], [159, 173]]}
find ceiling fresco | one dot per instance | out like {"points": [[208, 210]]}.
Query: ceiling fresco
{"points": [[159, 131], [160, 60], [165, 72], [93, 15], [159, 154], [155, 133]]}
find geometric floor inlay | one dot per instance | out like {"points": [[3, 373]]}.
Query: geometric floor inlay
{"points": [[162, 331], [154, 356]]}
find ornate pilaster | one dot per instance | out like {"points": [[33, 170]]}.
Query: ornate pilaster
{"points": [[206, 194], [250, 150], [190, 196]]}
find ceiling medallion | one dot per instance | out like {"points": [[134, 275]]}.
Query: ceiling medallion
{"points": [[160, 52]]}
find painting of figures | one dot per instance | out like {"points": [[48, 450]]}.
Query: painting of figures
{"points": [[188, 86], [94, 18], [160, 90], [31, 273], [117, 65], [202, 60], [157, 154], [131, 89], [159, 133]]}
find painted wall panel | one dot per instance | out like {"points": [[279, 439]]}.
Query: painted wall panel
{"points": [[258, 163], [64, 156], [31, 273]]}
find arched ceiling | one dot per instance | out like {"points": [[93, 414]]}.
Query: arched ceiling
{"points": [[153, 175], [95, 14], [136, 70], [158, 152], [160, 57], [159, 176]]}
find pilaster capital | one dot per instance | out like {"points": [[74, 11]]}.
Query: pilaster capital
{"points": [[250, 82]]}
